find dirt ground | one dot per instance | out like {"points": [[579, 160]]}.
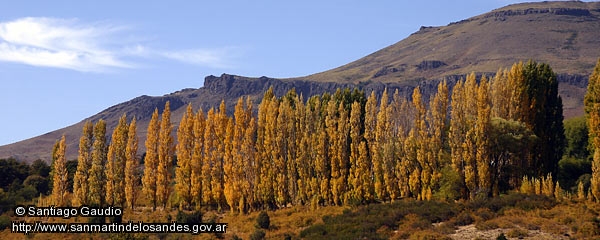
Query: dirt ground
{"points": [[470, 232]]}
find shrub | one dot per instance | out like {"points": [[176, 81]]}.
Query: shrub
{"points": [[517, 233], [314, 231], [116, 219], [589, 229], [258, 235], [484, 214], [463, 219], [287, 236], [501, 237], [487, 225], [428, 235], [236, 237], [263, 221], [446, 228], [4, 222], [190, 218]]}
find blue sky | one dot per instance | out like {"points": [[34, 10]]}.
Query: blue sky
{"points": [[63, 61]]}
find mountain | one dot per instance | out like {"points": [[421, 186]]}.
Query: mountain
{"points": [[562, 34]]}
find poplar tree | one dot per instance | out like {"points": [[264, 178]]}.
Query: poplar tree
{"points": [[165, 157], [391, 150], [235, 168], [438, 122], [370, 128], [115, 167], [84, 162], [380, 134], [469, 153], [457, 132], [355, 140], [131, 165], [518, 103], [331, 124], [500, 94], [370, 122], [592, 110], [303, 152], [402, 107], [291, 144], [60, 175], [280, 148], [97, 178], [230, 192], [210, 151], [185, 152], [217, 183], [364, 173], [343, 165], [322, 163], [482, 135], [149, 182], [545, 117], [247, 157], [422, 172], [198, 159], [263, 187]]}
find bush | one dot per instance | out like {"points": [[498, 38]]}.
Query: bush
{"points": [[258, 235], [463, 219], [39, 183], [501, 237], [484, 214], [4, 222], [189, 218], [116, 219], [589, 229], [236, 237], [487, 225], [450, 185], [513, 200], [428, 235], [314, 231], [517, 233], [96, 219], [446, 228], [263, 221]]}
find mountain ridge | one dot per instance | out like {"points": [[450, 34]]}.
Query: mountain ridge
{"points": [[562, 34]]}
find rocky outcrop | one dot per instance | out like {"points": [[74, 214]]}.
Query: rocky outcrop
{"points": [[577, 12], [430, 64]]}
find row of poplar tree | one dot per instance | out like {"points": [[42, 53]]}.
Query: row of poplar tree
{"points": [[336, 149]]}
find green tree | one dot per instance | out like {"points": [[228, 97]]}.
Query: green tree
{"points": [[544, 116], [577, 135], [592, 110]]}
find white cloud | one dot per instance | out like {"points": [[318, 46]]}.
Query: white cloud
{"points": [[50, 42], [87, 47], [216, 58]]}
